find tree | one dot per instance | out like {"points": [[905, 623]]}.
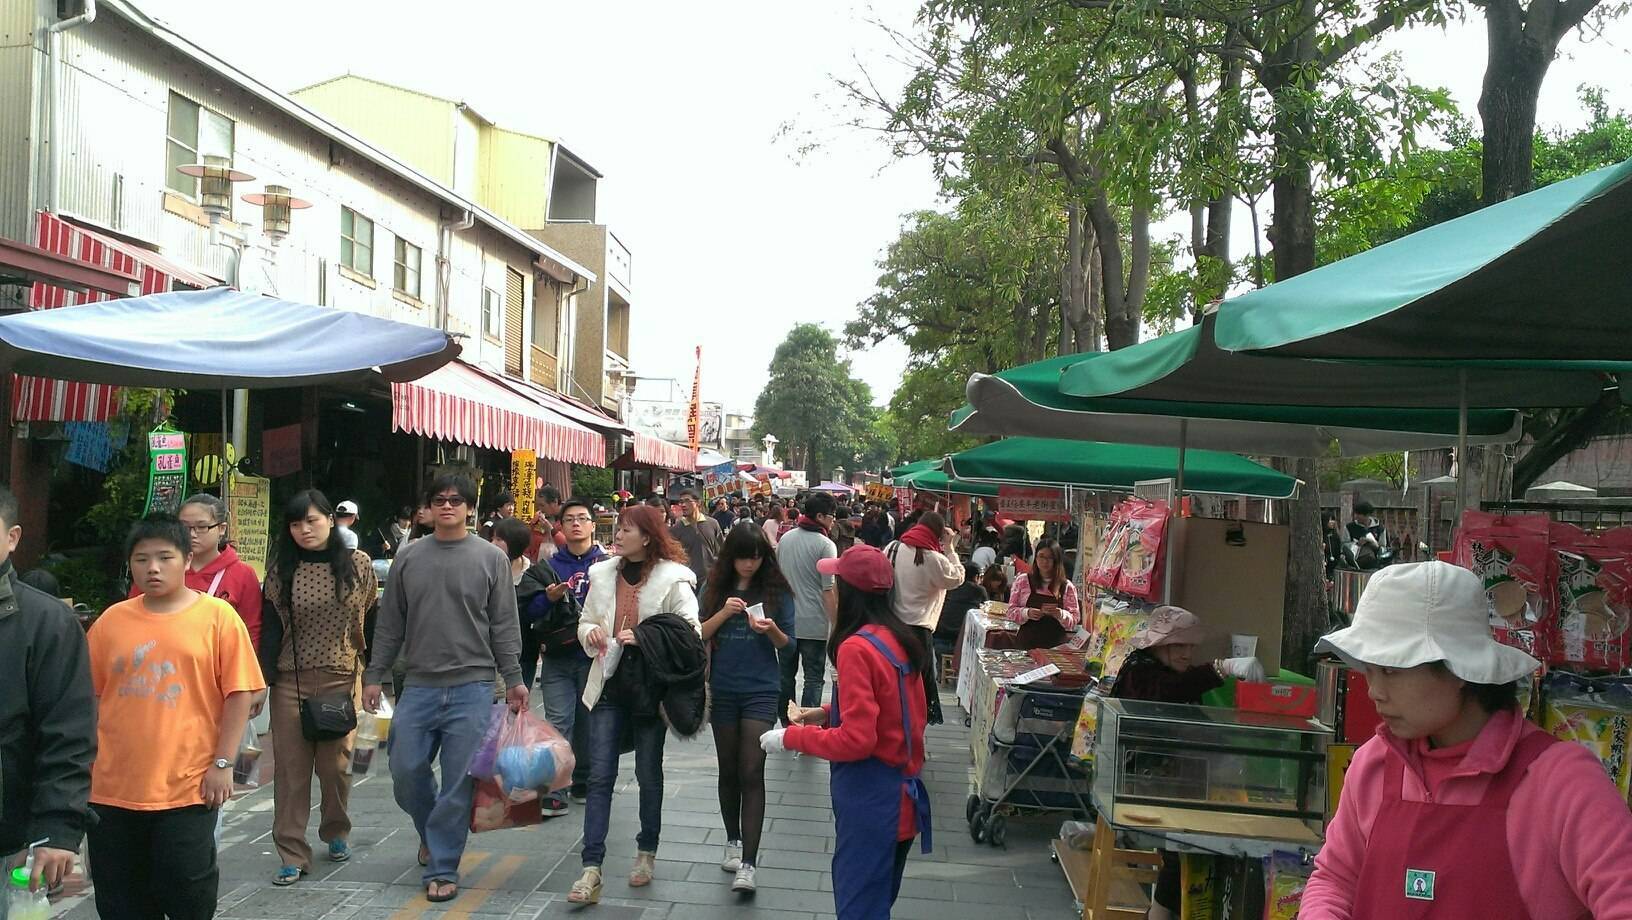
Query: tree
{"points": [[820, 413], [1522, 40]]}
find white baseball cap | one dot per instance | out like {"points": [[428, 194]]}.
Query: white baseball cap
{"points": [[1422, 612], [346, 507]]}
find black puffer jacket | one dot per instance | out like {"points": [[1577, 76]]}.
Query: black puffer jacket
{"points": [[664, 674]]}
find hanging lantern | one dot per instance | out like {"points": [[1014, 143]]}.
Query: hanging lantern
{"points": [[276, 207], [215, 178]]}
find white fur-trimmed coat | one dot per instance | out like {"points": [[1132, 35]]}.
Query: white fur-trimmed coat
{"points": [[669, 588]]}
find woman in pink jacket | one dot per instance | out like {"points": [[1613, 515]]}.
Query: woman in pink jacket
{"points": [[1460, 808]]}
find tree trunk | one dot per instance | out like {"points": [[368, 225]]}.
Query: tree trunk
{"points": [[1573, 429], [1305, 617], [1521, 43]]}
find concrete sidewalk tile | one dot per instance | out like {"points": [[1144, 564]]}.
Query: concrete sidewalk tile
{"points": [[748, 910], [560, 910]]}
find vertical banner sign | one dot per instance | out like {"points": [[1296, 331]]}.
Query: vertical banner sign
{"points": [[1030, 503], [694, 417], [249, 503], [524, 482], [166, 470]]}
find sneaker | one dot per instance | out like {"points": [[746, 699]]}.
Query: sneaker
{"points": [[579, 792], [339, 851], [587, 890], [553, 806], [288, 875], [745, 879], [645, 864], [733, 856]]}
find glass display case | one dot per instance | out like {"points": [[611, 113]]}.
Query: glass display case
{"points": [[1168, 767]]}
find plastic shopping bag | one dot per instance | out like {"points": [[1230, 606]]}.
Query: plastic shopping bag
{"points": [[245, 770], [532, 757], [494, 811], [487, 750]]}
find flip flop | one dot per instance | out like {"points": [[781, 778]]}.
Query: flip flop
{"points": [[438, 885], [424, 855]]}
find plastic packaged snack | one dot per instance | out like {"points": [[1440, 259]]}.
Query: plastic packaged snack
{"points": [[1594, 600], [1512, 555], [1595, 716], [1141, 571]]}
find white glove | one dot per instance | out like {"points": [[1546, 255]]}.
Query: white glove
{"points": [[1247, 669], [771, 741]]}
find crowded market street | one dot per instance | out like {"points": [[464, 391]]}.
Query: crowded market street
{"points": [[525, 874]]}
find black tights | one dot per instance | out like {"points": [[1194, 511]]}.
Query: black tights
{"points": [[742, 782]]}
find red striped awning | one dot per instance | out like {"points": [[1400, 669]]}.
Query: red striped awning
{"points": [[40, 399], [463, 404], [654, 451]]}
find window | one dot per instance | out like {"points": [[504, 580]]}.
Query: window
{"points": [[547, 315], [406, 274], [193, 133], [357, 242], [492, 313]]}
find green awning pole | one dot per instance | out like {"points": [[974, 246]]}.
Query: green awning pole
{"points": [[1178, 485], [1461, 445]]}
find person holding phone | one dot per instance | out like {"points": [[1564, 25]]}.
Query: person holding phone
{"points": [[752, 620]]}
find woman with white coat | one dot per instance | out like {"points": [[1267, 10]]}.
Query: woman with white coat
{"points": [[647, 577], [925, 566]]}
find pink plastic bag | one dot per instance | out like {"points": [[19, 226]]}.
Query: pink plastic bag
{"points": [[530, 758]]}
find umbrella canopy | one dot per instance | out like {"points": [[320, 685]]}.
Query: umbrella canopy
{"points": [[216, 339], [1187, 366], [833, 487], [916, 466], [1096, 465], [1539, 277], [942, 484], [1026, 400]]}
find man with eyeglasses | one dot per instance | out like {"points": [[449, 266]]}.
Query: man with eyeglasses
{"points": [[697, 533], [457, 592], [564, 668]]}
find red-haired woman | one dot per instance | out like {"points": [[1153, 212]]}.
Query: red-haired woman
{"points": [[647, 577]]}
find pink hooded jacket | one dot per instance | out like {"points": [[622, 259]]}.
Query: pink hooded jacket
{"points": [[1569, 832]]}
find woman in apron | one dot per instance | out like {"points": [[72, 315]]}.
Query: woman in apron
{"points": [[1458, 806], [873, 733], [1043, 601]]}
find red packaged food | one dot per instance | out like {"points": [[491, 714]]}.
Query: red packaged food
{"points": [[1512, 555], [1594, 599], [1107, 564], [492, 810], [1141, 574], [1276, 698]]}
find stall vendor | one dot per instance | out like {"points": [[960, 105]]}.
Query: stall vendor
{"points": [[1043, 601], [1162, 669], [1459, 807]]}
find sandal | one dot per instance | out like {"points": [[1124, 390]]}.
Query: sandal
{"points": [[587, 890], [288, 875], [440, 890], [641, 875], [424, 855]]}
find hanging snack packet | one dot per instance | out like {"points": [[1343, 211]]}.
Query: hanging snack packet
{"points": [[1107, 563], [1140, 575], [1594, 596], [1598, 718], [1512, 555]]}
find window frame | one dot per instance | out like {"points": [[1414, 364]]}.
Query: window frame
{"points": [[173, 180], [400, 270], [355, 243], [492, 314]]}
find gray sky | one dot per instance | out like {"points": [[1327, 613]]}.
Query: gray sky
{"points": [[735, 236]]}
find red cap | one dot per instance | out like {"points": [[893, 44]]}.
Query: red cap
{"points": [[863, 567]]}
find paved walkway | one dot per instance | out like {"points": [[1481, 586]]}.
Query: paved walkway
{"points": [[526, 873]]}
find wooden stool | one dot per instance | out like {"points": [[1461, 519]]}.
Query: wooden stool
{"points": [[1109, 881], [949, 674]]}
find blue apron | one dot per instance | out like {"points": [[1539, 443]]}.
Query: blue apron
{"points": [[867, 814]]}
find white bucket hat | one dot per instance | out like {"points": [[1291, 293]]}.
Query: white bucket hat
{"points": [[1422, 612]]}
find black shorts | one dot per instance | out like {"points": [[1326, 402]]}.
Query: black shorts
{"points": [[731, 708]]}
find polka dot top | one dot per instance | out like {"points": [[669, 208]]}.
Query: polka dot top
{"points": [[330, 630]]}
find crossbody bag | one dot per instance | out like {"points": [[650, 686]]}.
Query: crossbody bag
{"points": [[322, 718]]}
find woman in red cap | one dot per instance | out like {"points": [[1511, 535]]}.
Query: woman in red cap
{"points": [[873, 733]]}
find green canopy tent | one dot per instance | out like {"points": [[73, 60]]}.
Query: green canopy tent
{"points": [[1537, 278], [916, 466], [1096, 465], [933, 480], [1026, 400]]}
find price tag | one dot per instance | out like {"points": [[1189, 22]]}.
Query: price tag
{"points": [[1036, 674], [1078, 639]]}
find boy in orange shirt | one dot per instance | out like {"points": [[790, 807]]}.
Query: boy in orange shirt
{"points": [[174, 673]]}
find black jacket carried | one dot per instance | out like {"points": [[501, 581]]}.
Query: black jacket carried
{"points": [[553, 623], [47, 719], [665, 674]]}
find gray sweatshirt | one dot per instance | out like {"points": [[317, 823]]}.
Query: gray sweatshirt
{"points": [[449, 610]]}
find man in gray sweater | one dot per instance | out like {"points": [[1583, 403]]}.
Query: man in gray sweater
{"points": [[449, 611]]}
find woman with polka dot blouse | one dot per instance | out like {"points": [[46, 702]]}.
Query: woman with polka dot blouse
{"points": [[320, 591]]}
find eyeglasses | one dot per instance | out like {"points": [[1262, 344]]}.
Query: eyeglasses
{"points": [[450, 501], [201, 528], [576, 519]]}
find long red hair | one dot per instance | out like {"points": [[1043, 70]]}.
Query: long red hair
{"points": [[649, 521]]}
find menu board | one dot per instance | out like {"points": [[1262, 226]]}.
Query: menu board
{"points": [[249, 512]]}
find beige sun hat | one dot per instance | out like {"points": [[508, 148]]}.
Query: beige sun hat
{"points": [[1423, 612], [1170, 626]]}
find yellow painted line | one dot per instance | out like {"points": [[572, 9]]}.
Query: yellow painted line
{"points": [[474, 894], [417, 907]]}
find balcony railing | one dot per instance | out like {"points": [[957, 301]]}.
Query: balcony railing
{"points": [[543, 368]]}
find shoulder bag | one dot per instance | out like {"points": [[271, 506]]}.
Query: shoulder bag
{"points": [[322, 718]]}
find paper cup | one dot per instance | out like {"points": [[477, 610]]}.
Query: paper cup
{"points": [[756, 612], [1243, 646]]}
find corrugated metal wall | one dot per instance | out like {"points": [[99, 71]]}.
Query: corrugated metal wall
{"points": [[19, 119]]}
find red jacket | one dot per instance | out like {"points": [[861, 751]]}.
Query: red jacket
{"points": [[239, 587], [870, 718]]}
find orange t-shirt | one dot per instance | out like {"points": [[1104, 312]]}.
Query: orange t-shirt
{"points": [[161, 681]]}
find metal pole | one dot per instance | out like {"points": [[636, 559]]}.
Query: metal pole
{"points": [[1461, 444], [226, 430], [1184, 442]]}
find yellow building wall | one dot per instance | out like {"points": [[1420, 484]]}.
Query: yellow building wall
{"points": [[414, 128], [515, 181]]}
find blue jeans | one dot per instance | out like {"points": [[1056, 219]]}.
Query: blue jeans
{"points": [[432, 721], [811, 654], [606, 722], [561, 682]]}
